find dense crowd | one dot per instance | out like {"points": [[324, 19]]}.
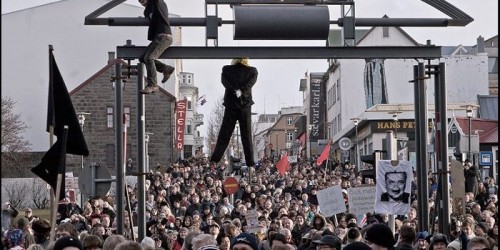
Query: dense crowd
{"points": [[187, 208]]}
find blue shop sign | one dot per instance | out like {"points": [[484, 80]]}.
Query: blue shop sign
{"points": [[486, 158]]}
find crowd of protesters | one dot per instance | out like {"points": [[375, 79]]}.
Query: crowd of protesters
{"points": [[187, 208]]}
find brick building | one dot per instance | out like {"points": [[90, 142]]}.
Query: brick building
{"points": [[97, 97]]}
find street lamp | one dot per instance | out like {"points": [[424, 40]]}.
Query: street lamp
{"points": [[395, 119], [81, 121], [356, 122], [469, 109]]}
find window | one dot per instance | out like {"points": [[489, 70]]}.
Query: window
{"points": [[109, 116], [188, 151], [126, 111], [385, 31], [189, 104], [338, 90], [289, 136], [110, 155], [289, 120], [189, 128]]}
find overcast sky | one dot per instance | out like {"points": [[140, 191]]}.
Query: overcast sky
{"points": [[278, 83]]}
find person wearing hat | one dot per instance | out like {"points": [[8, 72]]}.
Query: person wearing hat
{"points": [[379, 236], [353, 235], [438, 242], [68, 243], [9, 213], [422, 240], [244, 241], [328, 242], [214, 229], [41, 232], [15, 239], [300, 228]]}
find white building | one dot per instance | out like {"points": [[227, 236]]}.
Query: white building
{"points": [[370, 90], [193, 142]]}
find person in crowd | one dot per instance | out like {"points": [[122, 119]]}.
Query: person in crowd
{"points": [[379, 236], [112, 241], [406, 238], [478, 243], [467, 233], [328, 242], [204, 242], [244, 241], [41, 231], [438, 242], [92, 242], [129, 245], [68, 243], [471, 174], [9, 213]]}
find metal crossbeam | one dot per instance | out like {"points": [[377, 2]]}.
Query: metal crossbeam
{"points": [[391, 52]]}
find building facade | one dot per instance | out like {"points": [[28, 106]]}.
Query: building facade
{"points": [[378, 94], [95, 99], [193, 141]]}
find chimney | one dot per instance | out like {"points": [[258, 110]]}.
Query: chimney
{"points": [[111, 57], [480, 44]]}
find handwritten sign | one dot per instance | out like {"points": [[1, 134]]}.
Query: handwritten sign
{"points": [[331, 201], [252, 218], [361, 199]]}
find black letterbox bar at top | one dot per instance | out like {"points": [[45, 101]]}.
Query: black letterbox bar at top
{"points": [[237, 2]]}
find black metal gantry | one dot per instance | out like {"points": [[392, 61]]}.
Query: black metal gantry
{"points": [[348, 22]]}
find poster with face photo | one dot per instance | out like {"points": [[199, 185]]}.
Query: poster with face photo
{"points": [[393, 187]]}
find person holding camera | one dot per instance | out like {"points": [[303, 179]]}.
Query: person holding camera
{"points": [[471, 175], [9, 213]]}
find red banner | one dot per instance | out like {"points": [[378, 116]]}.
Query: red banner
{"points": [[180, 122]]}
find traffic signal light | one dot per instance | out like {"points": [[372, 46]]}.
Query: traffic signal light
{"points": [[372, 160], [235, 164]]}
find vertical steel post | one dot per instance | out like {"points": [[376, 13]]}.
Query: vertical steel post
{"points": [[421, 123], [441, 148], [141, 152], [120, 189]]}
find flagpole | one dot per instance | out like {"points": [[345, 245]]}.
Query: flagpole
{"points": [[51, 135], [62, 163], [127, 196]]}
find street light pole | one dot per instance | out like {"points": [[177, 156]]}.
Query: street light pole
{"points": [[81, 121], [469, 117], [356, 122], [469, 109]]}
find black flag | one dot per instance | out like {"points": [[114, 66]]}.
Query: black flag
{"points": [[48, 169], [60, 112]]}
